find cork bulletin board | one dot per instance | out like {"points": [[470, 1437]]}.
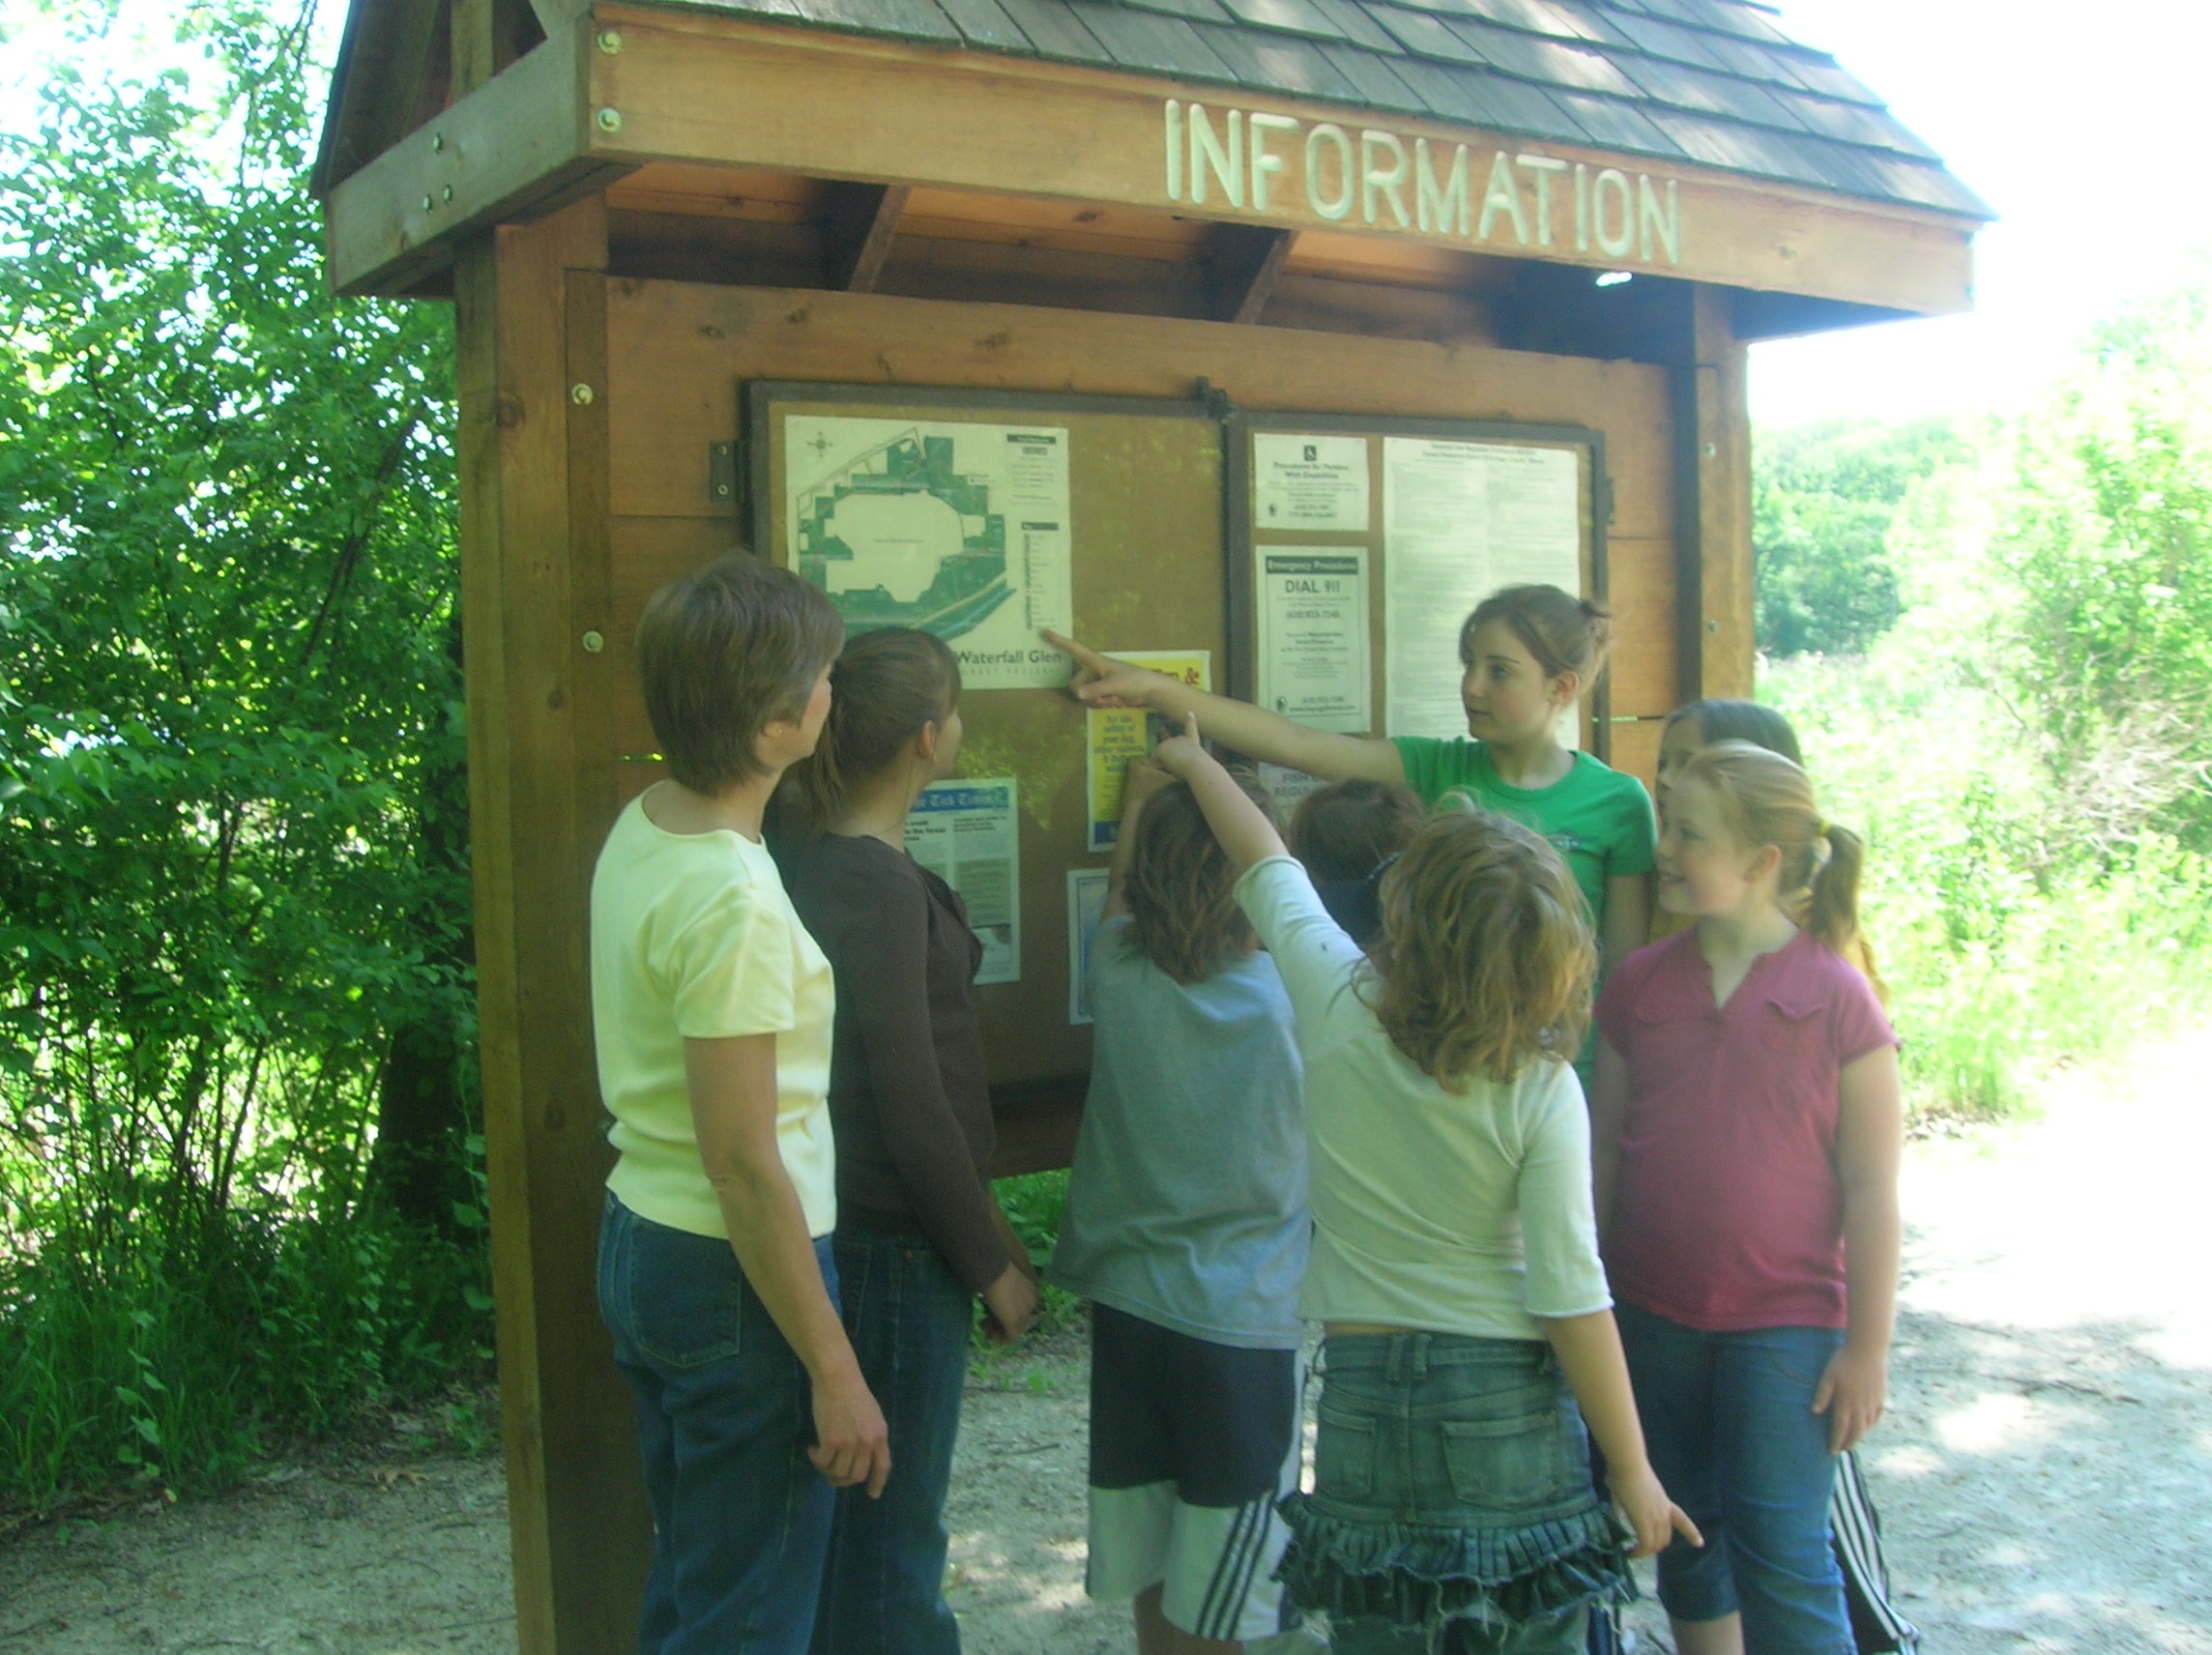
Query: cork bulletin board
{"points": [[981, 515]]}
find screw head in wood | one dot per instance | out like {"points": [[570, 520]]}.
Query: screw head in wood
{"points": [[610, 119], [447, 193], [437, 140], [580, 395], [425, 204], [610, 40], [594, 642]]}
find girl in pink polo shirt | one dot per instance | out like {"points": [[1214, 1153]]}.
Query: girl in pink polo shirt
{"points": [[1746, 1136]]}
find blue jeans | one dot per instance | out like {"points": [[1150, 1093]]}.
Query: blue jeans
{"points": [[1728, 1422], [909, 1320], [725, 1415], [1452, 1507]]}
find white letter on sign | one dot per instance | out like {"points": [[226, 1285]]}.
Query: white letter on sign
{"points": [[1328, 132], [1543, 166], [1226, 160], [1441, 208], [1257, 127], [1174, 150], [1505, 191], [1373, 178], [1608, 243], [1667, 221]]}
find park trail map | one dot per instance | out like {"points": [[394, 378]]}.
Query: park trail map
{"points": [[957, 528]]}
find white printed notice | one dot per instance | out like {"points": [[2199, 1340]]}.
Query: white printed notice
{"points": [[1309, 482], [1459, 521], [958, 530], [1313, 635], [1086, 907], [967, 833]]}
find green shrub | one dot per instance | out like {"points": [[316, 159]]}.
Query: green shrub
{"points": [[2010, 954], [176, 1369]]}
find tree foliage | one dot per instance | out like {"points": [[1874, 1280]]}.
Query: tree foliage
{"points": [[231, 865], [2105, 537], [1824, 500]]}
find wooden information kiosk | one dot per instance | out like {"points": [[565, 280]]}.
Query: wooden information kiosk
{"points": [[1262, 334]]}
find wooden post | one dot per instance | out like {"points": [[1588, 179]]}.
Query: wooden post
{"points": [[1712, 504], [531, 370]]}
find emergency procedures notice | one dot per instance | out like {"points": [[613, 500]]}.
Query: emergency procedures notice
{"points": [[1313, 636], [968, 833]]}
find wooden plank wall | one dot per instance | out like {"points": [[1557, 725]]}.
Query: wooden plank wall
{"points": [[678, 352], [588, 406], [533, 466]]}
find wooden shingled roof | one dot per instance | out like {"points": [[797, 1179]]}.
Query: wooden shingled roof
{"points": [[1727, 152], [1711, 81]]}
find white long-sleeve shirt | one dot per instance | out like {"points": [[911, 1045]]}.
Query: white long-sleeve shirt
{"points": [[1451, 1212]]}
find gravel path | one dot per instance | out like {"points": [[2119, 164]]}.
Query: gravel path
{"points": [[2045, 1473]]}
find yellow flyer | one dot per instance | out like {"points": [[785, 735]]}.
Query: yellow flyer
{"points": [[1114, 737]]}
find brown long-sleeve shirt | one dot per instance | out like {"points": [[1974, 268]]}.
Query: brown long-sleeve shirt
{"points": [[909, 1095]]}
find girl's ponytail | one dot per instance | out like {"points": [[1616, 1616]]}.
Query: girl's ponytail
{"points": [[1835, 916], [816, 782], [1768, 799], [885, 686]]}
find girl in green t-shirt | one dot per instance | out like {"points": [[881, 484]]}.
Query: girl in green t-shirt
{"points": [[1527, 654]]}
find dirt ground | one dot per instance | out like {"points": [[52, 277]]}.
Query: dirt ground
{"points": [[2045, 1473]]}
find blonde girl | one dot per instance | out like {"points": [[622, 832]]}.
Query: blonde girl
{"points": [[1747, 1136], [1689, 730], [1527, 654], [1455, 1268], [1854, 1529]]}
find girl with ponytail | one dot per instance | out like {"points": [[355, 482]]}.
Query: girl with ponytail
{"points": [[1854, 1531], [1746, 1136], [919, 1237]]}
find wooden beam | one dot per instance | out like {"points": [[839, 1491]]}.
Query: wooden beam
{"points": [[487, 36], [702, 87], [509, 148], [415, 43], [1242, 262], [858, 224], [532, 451], [1714, 575]]}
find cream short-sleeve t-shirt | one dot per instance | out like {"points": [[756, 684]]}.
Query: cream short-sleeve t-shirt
{"points": [[693, 937]]}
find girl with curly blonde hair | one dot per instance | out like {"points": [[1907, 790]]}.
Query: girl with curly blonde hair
{"points": [[1454, 1258]]}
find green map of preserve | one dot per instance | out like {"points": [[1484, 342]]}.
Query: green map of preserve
{"points": [[961, 529]]}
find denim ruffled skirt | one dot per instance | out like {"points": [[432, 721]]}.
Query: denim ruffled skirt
{"points": [[1452, 1483]]}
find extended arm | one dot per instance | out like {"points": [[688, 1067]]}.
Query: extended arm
{"points": [[1588, 1349], [1870, 1142], [1245, 833], [732, 1090], [1102, 681]]}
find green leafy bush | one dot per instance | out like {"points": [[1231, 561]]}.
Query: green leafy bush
{"points": [[1824, 499], [232, 844]]}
